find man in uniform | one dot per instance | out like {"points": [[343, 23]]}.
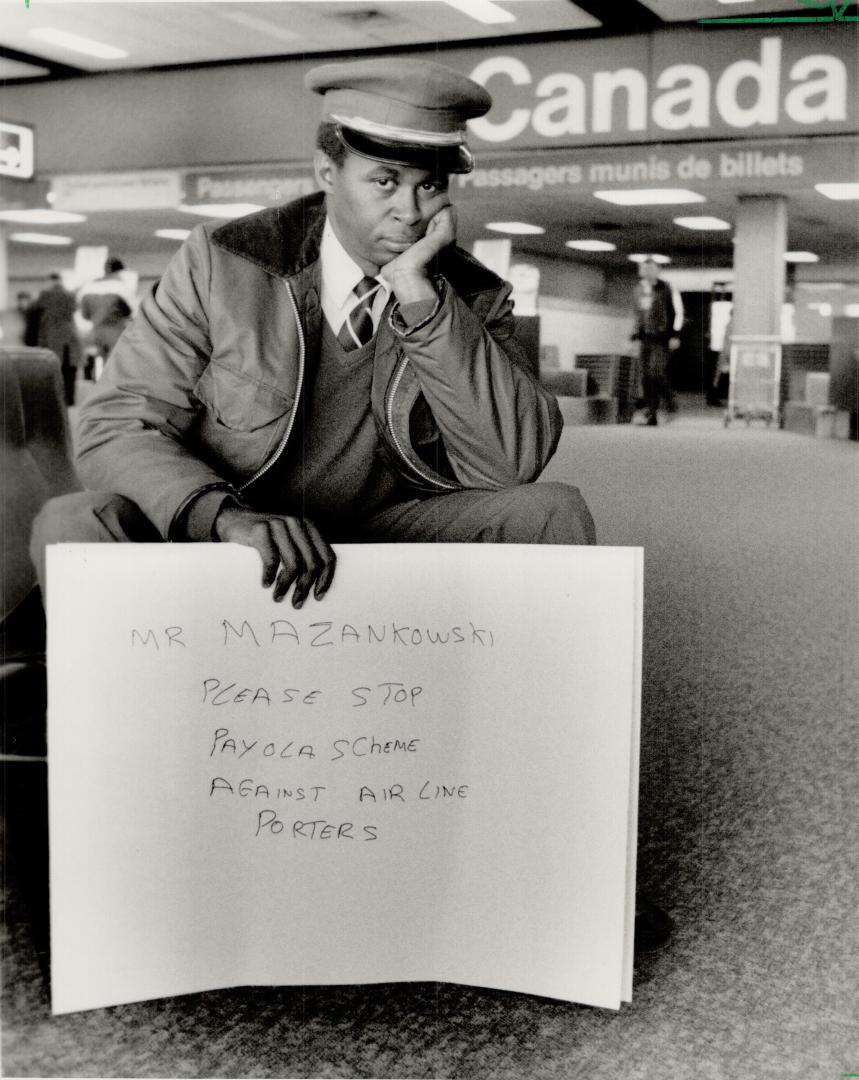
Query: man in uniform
{"points": [[333, 370]]}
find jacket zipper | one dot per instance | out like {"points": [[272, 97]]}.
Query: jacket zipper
{"points": [[263, 469], [398, 446]]}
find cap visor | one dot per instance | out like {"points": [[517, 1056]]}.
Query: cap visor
{"points": [[440, 160]]}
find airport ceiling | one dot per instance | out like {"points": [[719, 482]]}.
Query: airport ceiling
{"points": [[163, 35]]}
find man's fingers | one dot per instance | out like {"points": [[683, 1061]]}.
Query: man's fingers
{"points": [[443, 223], [259, 537], [309, 562], [292, 550], [291, 562], [327, 558]]}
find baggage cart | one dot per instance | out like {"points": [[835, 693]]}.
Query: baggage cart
{"points": [[755, 379]]}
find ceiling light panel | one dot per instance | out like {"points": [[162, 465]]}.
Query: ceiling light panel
{"points": [[515, 228], [41, 217], [801, 257], [703, 223], [591, 245], [220, 210], [40, 238], [838, 191], [650, 196]]}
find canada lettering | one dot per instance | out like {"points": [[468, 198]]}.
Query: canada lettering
{"points": [[810, 91]]}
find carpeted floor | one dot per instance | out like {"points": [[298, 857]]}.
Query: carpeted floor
{"points": [[749, 807]]}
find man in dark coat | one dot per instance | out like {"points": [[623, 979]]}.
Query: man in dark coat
{"points": [[51, 318], [654, 317]]}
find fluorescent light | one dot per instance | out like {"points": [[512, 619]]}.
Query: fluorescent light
{"points": [[518, 228], [851, 311], [485, 11], [41, 217], [650, 196], [702, 222], [40, 238], [76, 43], [591, 245], [838, 191], [821, 307], [221, 210], [801, 257], [663, 260], [172, 234]]}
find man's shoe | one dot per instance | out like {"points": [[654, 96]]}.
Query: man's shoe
{"points": [[652, 926]]}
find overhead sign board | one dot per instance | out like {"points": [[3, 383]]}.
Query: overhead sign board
{"points": [[760, 167], [677, 86], [266, 186], [145, 190], [17, 150]]}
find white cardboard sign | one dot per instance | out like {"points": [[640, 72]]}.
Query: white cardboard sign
{"points": [[429, 775]]}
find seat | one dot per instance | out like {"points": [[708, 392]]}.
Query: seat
{"points": [[35, 465]]}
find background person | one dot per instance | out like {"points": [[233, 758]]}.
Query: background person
{"points": [[108, 303], [654, 330], [15, 322], [51, 325]]}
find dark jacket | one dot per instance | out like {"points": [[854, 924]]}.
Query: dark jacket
{"points": [[657, 322], [202, 391], [51, 325]]}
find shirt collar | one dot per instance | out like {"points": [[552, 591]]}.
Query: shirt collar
{"points": [[340, 272]]}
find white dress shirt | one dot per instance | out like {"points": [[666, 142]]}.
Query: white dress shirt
{"points": [[340, 274]]}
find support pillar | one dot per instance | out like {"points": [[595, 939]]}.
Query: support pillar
{"points": [[759, 268]]}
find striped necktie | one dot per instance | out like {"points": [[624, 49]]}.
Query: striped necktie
{"points": [[358, 327]]}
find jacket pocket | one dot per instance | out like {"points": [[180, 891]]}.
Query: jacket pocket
{"points": [[238, 402]]}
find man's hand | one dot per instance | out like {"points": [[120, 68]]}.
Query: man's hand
{"points": [[294, 546], [407, 273]]}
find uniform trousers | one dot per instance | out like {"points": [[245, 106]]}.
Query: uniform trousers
{"points": [[540, 513]]}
